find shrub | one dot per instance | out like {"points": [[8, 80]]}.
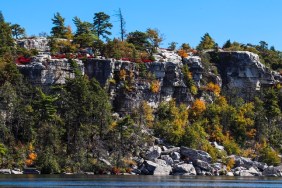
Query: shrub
{"points": [[269, 156], [155, 86]]}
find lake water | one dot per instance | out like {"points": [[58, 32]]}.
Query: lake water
{"points": [[85, 181]]}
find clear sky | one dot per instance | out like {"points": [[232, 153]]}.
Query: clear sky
{"points": [[245, 21]]}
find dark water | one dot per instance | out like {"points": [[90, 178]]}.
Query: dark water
{"points": [[70, 181]]}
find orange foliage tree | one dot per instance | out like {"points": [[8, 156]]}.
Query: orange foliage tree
{"points": [[155, 86], [182, 53], [198, 107], [213, 88], [31, 157]]}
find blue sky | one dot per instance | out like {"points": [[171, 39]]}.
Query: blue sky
{"points": [[245, 21]]}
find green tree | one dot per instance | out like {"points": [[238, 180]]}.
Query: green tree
{"points": [[186, 47], [172, 46], [17, 31], [139, 40], [6, 39], [84, 35], [206, 43], [101, 23], [227, 44], [59, 30], [154, 38]]}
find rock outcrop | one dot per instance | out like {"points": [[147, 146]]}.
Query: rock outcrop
{"points": [[41, 44], [236, 69], [242, 69], [49, 71]]}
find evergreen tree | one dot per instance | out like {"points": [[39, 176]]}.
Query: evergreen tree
{"points": [[206, 43], [6, 39], [17, 31], [101, 24], [84, 35], [227, 44], [139, 40], [59, 30]]}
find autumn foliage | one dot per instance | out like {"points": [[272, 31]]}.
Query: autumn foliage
{"points": [[198, 107], [31, 157], [182, 53], [211, 87], [155, 86]]}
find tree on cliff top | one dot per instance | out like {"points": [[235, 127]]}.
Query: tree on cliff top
{"points": [[6, 39], [84, 35], [101, 24], [17, 31], [206, 43], [139, 40], [59, 30]]}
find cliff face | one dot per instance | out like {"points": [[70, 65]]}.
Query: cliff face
{"points": [[39, 43], [241, 69], [233, 70], [49, 71]]}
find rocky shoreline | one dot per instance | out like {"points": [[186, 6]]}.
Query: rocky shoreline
{"points": [[163, 161]]}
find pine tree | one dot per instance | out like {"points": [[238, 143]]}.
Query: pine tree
{"points": [[59, 30], [101, 24], [206, 43]]}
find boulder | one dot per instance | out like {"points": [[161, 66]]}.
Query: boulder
{"points": [[167, 159], [16, 171], [245, 173], [242, 161], [158, 168], [193, 155], [217, 146], [106, 162], [254, 171], [5, 171], [154, 152], [272, 171], [162, 170], [184, 169], [203, 165], [261, 166], [175, 156], [229, 174], [170, 151]]}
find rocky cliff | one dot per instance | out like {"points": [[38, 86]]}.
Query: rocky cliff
{"points": [[233, 70], [241, 69], [41, 44]]}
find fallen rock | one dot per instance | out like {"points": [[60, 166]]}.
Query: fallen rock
{"points": [[106, 162], [175, 156], [167, 159], [272, 171], [203, 165], [170, 151], [254, 171], [184, 169], [245, 173], [154, 152], [261, 166], [193, 155], [5, 171], [229, 174], [158, 168]]}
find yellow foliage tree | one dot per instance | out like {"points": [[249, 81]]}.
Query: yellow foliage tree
{"points": [[31, 157], [213, 88], [147, 111], [155, 86], [198, 107], [122, 74], [182, 53]]}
